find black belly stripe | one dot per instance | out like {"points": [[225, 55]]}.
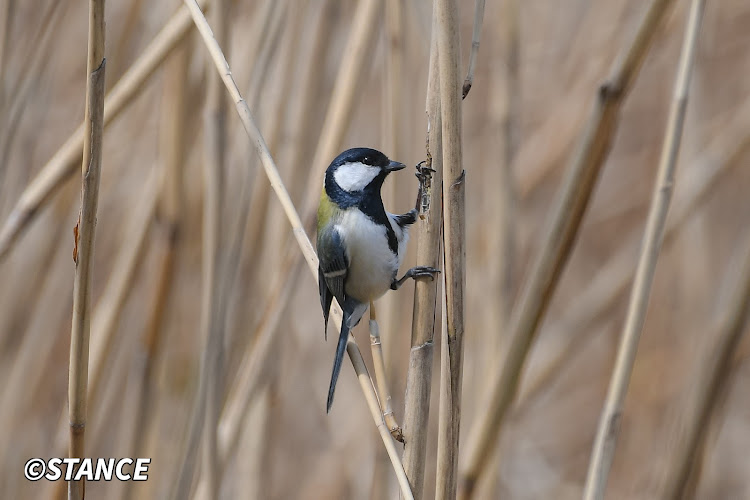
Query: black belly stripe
{"points": [[368, 202]]}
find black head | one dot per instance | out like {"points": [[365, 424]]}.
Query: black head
{"points": [[358, 171]]}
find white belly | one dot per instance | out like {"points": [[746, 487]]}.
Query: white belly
{"points": [[372, 264]]}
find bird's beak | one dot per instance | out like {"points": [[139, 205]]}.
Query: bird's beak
{"points": [[395, 165]]}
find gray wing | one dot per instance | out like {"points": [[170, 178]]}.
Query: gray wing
{"points": [[332, 269]]}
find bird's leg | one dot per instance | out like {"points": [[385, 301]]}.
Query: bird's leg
{"points": [[424, 174], [384, 395], [414, 273]]}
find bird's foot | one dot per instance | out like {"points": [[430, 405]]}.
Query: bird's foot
{"points": [[414, 273]]}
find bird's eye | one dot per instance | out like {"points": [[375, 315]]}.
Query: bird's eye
{"points": [[366, 160]]}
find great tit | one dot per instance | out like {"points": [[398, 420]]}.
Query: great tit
{"points": [[360, 245]]}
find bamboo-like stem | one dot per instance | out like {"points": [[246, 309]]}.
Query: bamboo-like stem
{"points": [[426, 313], [609, 423], [62, 164], [708, 384], [298, 230], [85, 230], [384, 394], [556, 245], [454, 235], [477, 30]]}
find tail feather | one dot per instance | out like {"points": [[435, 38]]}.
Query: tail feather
{"points": [[340, 348]]}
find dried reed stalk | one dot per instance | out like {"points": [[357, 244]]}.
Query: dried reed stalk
{"points": [[708, 383], [83, 251], [477, 30], [384, 394], [425, 314], [556, 245], [609, 423], [298, 230], [454, 234], [62, 164]]}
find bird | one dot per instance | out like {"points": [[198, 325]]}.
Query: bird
{"points": [[360, 245]]}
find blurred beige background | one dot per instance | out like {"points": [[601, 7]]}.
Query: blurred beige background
{"points": [[288, 447]]}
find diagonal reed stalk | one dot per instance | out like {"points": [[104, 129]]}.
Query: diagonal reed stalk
{"points": [[304, 242], [426, 314], [708, 383], [384, 393], [609, 423], [556, 245], [83, 252], [62, 164], [454, 235]]}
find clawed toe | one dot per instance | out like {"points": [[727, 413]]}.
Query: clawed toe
{"points": [[425, 271]]}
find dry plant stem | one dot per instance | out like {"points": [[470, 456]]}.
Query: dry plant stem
{"points": [[451, 367], [555, 247], [708, 384], [478, 18], [353, 68], [83, 253], [419, 374], [609, 423], [294, 219], [62, 164], [384, 394]]}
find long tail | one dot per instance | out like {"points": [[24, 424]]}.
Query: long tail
{"points": [[340, 348]]}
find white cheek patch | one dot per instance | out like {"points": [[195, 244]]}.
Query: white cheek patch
{"points": [[355, 176]]}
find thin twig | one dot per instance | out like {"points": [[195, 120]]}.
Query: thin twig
{"points": [[62, 164], [556, 246], [384, 394], [478, 18], [454, 236], [609, 423], [298, 230], [83, 249]]}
